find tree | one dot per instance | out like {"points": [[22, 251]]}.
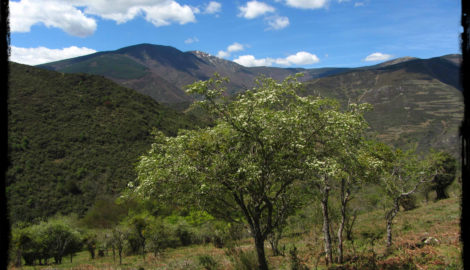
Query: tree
{"points": [[446, 165], [157, 235], [332, 156], [119, 236], [42, 241], [245, 166], [403, 175], [138, 225], [89, 241]]}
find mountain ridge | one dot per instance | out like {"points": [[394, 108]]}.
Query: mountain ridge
{"points": [[142, 66]]}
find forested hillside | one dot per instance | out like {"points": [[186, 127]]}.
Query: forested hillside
{"points": [[73, 137]]}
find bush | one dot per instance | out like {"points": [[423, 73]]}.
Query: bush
{"points": [[408, 202], [295, 262], [40, 242], [242, 260], [208, 262]]}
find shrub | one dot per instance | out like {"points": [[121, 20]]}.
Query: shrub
{"points": [[295, 262], [242, 260], [208, 262]]}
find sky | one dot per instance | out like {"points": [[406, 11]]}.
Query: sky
{"points": [[278, 33]]}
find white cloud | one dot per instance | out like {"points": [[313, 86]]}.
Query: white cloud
{"points": [[300, 58], [277, 22], [307, 4], [191, 40], [41, 55], [213, 7], [67, 16], [255, 9], [167, 13], [359, 4], [251, 61], [235, 47], [378, 57], [59, 14]]}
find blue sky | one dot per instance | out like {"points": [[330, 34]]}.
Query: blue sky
{"points": [[283, 33]]}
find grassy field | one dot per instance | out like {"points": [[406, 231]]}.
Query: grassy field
{"points": [[439, 220]]}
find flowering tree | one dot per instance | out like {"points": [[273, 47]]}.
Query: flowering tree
{"points": [[335, 156], [248, 165], [404, 172]]}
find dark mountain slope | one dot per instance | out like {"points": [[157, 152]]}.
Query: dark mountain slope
{"points": [[73, 137], [172, 70]]}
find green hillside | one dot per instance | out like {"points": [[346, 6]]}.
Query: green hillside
{"points": [[411, 104], [73, 137], [109, 65]]}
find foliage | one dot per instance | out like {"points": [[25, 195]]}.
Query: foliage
{"points": [[105, 213], [264, 144], [295, 262], [208, 262], [446, 165], [40, 242], [404, 172], [72, 137], [242, 259]]}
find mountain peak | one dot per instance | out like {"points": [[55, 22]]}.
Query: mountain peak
{"points": [[396, 61]]}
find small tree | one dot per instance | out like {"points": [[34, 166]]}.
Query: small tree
{"points": [[334, 156], [446, 165], [90, 241], [75, 245], [119, 237], [404, 174], [157, 235]]}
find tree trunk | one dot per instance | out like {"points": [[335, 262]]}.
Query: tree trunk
{"points": [[441, 194], [259, 243], [389, 217], [274, 241], [344, 202], [18, 259], [326, 226], [143, 251]]}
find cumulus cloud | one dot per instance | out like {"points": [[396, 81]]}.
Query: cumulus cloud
{"points": [[254, 9], [68, 15], [168, 13], [307, 4], [235, 47], [277, 22], [213, 7], [59, 14], [377, 57], [251, 61], [300, 58], [41, 55]]}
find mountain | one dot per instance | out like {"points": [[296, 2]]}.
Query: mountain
{"points": [[72, 137], [415, 100], [162, 72]]}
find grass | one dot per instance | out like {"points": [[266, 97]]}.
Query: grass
{"points": [[433, 219]]}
